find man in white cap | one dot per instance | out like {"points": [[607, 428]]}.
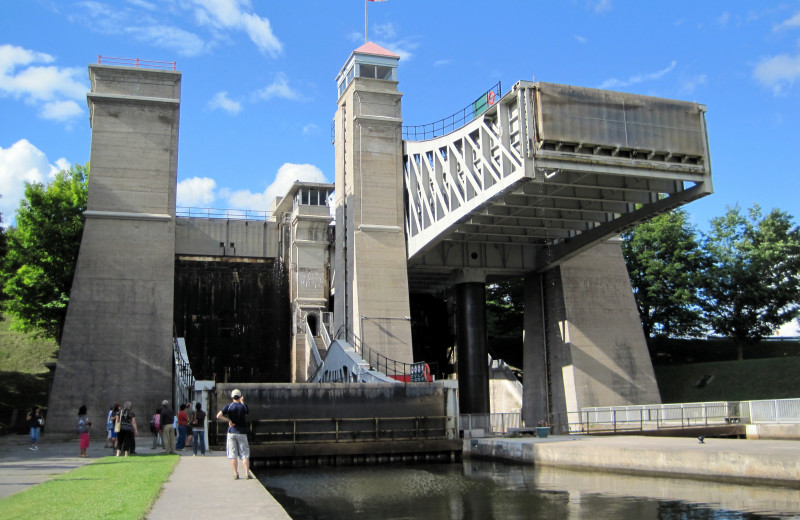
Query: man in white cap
{"points": [[237, 446]]}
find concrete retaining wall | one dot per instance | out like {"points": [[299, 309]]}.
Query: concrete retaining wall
{"points": [[221, 237], [717, 459]]}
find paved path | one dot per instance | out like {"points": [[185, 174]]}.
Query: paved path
{"points": [[21, 468], [203, 487], [199, 488]]}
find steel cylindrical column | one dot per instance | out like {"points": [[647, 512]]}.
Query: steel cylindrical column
{"points": [[473, 348]]}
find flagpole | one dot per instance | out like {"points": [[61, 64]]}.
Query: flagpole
{"points": [[365, 21]]}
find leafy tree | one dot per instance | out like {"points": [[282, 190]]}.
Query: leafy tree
{"points": [[42, 251], [505, 308], [665, 262], [752, 284]]}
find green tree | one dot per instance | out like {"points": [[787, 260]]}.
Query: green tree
{"points": [[752, 284], [505, 308], [664, 263], [42, 251]]}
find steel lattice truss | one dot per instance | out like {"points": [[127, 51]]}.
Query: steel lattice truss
{"points": [[547, 172]]}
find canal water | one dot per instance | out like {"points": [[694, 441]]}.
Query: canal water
{"points": [[486, 490]]}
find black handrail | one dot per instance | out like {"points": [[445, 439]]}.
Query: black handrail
{"points": [[455, 121], [375, 359]]}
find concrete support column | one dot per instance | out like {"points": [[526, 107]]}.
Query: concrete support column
{"points": [[472, 342], [535, 396]]}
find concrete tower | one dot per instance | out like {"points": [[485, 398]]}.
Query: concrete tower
{"points": [[117, 340], [371, 281]]}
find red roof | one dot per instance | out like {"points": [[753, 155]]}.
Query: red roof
{"points": [[375, 49]]}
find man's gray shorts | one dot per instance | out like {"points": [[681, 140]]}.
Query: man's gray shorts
{"points": [[237, 446]]}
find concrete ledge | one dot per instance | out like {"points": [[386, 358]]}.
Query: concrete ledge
{"points": [[377, 119], [773, 431], [132, 100], [125, 215], [727, 460], [378, 227]]}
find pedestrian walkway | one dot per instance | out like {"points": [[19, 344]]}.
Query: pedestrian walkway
{"points": [[21, 468], [199, 488], [203, 487]]}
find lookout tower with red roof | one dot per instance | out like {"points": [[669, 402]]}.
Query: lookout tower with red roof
{"points": [[371, 303]]}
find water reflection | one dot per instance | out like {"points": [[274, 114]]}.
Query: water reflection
{"points": [[481, 490]]}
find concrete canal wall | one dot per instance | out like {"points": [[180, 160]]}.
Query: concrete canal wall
{"points": [[731, 460]]}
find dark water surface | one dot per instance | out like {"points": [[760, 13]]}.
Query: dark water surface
{"points": [[481, 490]]}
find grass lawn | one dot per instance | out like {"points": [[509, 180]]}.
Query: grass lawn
{"points": [[111, 487]]}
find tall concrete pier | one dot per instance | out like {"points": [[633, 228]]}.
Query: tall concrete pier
{"points": [[117, 340], [371, 282]]}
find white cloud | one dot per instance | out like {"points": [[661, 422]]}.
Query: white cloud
{"points": [[600, 6], [384, 31], [20, 163], [581, 39], [310, 129], [223, 102], [237, 15], [778, 71], [402, 48], [287, 175], [278, 89], [689, 85], [144, 4], [639, 78], [724, 19], [791, 23], [181, 41], [142, 21], [61, 110], [441, 63], [196, 191], [55, 90]]}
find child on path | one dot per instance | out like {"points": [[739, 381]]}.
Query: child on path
{"points": [[84, 426]]}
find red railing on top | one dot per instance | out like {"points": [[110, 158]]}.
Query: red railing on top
{"points": [[136, 62]]}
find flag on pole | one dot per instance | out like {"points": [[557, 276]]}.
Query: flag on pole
{"points": [[365, 17]]}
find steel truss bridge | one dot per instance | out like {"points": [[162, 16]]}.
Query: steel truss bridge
{"points": [[546, 172]]}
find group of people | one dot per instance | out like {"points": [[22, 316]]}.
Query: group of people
{"points": [[174, 432], [122, 429]]}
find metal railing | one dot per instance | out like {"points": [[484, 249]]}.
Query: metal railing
{"points": [[490, 423], [455, 121], [346, 429], [379, 362], [773, 411], [183, 380], [315, 360], [621, 419], [136, 62], [677, 415], [227, 214]]}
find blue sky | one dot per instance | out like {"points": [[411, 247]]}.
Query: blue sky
{"points": [[259, 93]]}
